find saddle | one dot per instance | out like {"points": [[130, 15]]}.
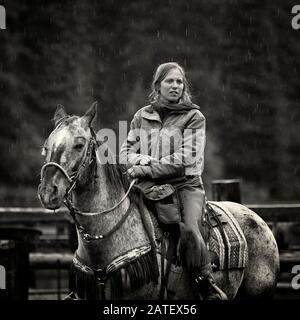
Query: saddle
{"points": [[222, 234], [226, 243]]}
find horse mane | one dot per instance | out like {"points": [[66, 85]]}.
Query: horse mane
{"points": [[115, 173]]}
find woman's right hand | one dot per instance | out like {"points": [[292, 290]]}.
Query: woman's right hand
{"points": [[139, 172]]}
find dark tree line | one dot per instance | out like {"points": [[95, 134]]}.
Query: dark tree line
{"points": [[241, 58]]}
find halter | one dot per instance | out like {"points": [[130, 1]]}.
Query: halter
{"points": [[86, 161]]}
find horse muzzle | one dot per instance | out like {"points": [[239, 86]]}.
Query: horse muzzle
{"points": [[50, 197]]}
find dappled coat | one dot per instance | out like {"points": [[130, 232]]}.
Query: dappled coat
{"points": [[176, 143]]}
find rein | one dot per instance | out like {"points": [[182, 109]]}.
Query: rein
{"points": [[89, 237]]}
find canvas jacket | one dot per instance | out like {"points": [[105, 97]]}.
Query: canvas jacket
{"points": [[176, 144]]}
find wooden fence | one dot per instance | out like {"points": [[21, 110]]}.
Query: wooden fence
{"points": [[53, 250]]}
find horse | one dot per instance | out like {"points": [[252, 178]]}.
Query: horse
{"points": [[119, 253]]}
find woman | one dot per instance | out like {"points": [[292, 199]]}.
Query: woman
{"points": [[166, 143]]}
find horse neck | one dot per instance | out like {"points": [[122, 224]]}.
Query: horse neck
{"points": [[102, 192]]}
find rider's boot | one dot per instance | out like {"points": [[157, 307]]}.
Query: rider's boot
{"points": [[194, 251], [206, 286]]}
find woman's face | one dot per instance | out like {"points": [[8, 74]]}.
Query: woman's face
{"points": [[171, 87]]}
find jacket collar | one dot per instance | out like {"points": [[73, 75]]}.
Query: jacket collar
{"points": [[149, 113]]}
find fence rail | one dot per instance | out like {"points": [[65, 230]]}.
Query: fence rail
{"points": [[277, 212], [32, 215], [269, 212]]}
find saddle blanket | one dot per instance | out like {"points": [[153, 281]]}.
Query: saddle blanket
{"points": [[228, 249]]}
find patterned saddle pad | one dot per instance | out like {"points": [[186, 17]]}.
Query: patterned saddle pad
{"points": [[228, 247]]}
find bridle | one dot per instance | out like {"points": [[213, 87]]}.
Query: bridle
{"points": [[89, 157]]}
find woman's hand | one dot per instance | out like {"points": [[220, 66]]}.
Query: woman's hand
{"points": [[145, 160], [139, 172]]}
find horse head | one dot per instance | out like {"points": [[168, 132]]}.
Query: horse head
{"points": [[67, 151]]}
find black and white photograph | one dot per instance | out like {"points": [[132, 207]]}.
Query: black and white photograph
{"points": [[149, 152]]}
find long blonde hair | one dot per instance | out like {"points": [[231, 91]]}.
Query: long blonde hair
{"points": [[159, 75]]}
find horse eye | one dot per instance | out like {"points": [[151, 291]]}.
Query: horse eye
{"points": [[78, 146]]}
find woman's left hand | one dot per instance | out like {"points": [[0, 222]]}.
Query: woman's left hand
{"points": [[145, 160], [139, 172]]}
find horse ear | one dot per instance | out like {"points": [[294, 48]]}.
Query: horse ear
{"points": [[60, 113], [90, 115]]}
